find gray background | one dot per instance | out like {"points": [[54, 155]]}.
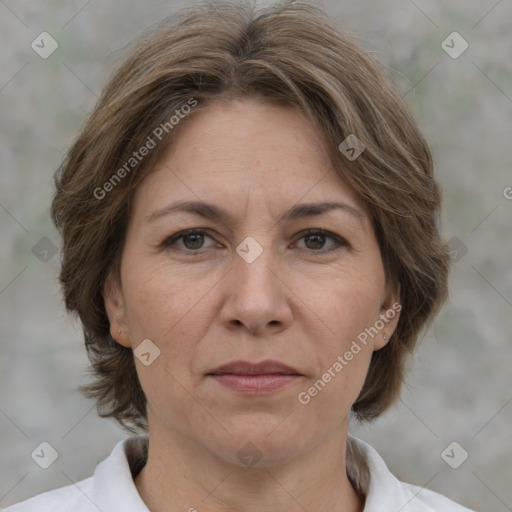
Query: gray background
{"points": [[459, 387]]}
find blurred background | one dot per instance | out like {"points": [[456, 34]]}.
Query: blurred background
{"points": [[459, 386]]}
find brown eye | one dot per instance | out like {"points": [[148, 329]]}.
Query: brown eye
{"points": [[193, 241], [315, 240], [189, 240]]}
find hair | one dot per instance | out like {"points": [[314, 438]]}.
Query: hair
{"points": [[288, 53]]}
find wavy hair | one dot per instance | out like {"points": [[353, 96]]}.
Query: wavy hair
{"points": [[290, 53]]}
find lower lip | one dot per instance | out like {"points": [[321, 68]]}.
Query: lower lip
{"points": [[255, 384]]}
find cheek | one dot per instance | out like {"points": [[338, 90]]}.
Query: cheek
{"points": [[345, 310], [169, 306], [346, 304], [164, 307], [342, 359], [155, 302]]}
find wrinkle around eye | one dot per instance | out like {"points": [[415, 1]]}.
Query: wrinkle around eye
{"points": [[170, 242], [175, 242]]}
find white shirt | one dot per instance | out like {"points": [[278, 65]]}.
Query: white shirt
{"points": [[111, 488]]}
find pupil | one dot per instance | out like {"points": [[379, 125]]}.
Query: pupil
{"points": [[197, 241], [318, 239], [196, 244]]}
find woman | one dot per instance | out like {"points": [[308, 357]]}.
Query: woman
{"points": [[250, 242]]}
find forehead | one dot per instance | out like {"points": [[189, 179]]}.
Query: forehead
{"points": [[261, 152]]}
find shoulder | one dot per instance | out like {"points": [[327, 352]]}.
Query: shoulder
{"points": [[71, 497], [424, 500], [384, 491], [110, 488]]}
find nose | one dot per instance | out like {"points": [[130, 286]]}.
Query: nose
{"points": [[257, 299]]}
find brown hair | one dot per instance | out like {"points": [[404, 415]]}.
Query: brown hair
{"points": [[289, 53]]}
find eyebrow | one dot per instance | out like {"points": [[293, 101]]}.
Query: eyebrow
{"points": [[214, 212]]}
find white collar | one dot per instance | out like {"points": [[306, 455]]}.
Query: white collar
{"points": [[114, 488]]}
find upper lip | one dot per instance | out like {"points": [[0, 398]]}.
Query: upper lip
{"points": [[262, 368]]}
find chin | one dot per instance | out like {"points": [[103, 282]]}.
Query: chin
{"points": [[261, 441]]}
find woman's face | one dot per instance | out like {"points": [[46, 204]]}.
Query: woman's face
{"points": [[250, 285]]}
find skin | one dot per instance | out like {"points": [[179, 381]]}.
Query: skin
{"points": [[297, 303]]}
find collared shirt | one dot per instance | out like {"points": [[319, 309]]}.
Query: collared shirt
{"points": [[112, 488]]}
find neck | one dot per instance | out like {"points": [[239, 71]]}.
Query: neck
{"points": [[182, 476]]}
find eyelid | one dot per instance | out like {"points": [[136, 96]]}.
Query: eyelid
{"points": [[340, 241], [169, 242], [179, 235]]}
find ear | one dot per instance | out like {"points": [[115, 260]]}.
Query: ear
{"points": [[389, 313], [115, 307]]}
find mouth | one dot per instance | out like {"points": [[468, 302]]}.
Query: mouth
{"points": [[255, 378]]}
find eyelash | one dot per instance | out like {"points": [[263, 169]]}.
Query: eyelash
{"points": [[169, 242]]}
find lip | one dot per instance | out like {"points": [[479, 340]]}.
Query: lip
{"points": [[267, 367], [255, 378]]}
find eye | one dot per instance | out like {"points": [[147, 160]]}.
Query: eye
{"points": [[315, 240], [191, 240]]}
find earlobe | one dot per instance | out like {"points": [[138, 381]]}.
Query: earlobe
{"points": [[388, 317]]}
